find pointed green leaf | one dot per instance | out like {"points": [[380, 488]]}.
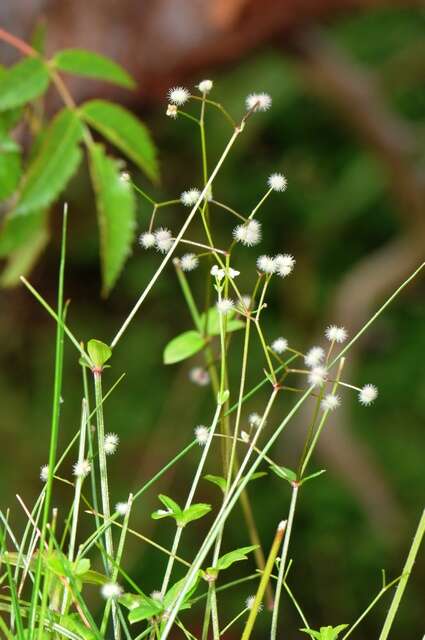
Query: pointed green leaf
{"points": [[183, 346], [21, 260], [237, 555], [81, 62], [175, 590], [147, 609], [170, 503], [194, 512], [99, 352], [284, 472], [122, 129], [72, 622], [172, 509], [218, 480], [23, 82], [326, 633], [213, 319], [55, 162], [313, 475], [116, 214]]}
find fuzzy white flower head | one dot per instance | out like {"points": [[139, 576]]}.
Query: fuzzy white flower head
{"points": [[330, 402], [266, 264], [189, 197], [156, 595], [279, 345], [225, 305], [217, 272], [124, 176], [111, 443], [205, 86], [81, 469], [171, 111], [284, 264], [111, 590], [248, 234], [336, 334], [317, 376], [246, 301], [277, 182], [199, 376], [121, 508], [314, 356], [254, 420], [189, 262], [178, 95], [163, 239], [201, 435], [368, 394], [249, 603], [44, 472], [147, 240], [258, 102]]}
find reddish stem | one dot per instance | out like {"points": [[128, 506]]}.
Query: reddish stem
{"points": [[19, 44]]}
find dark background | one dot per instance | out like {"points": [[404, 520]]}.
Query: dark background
{"points": [[347, 129]]}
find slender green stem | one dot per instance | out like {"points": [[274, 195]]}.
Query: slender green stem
{"points": [[233, 620]]}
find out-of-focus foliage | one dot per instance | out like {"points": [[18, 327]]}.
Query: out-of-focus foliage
{"points": [[337, 210]]}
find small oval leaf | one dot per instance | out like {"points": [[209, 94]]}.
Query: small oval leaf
{"points": [[99, 352], [23, 82], [183, 346], [81, 62]]}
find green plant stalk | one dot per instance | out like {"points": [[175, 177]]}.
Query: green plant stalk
{"points": [[296, 605], [263, 199], [54, 432], [232, 621], [104, 487], [44, 613], [181, 233], [407, 569], [189, 499], [15, 612], [283, 558], [249, 626]]}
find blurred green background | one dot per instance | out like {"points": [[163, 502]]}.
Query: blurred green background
{"points": [[353, 177]]}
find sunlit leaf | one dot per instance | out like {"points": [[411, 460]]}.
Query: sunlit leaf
{"points": [[93, 65], [23, 82], [183, 346]]}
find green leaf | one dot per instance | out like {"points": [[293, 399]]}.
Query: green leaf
{"points": [[10, 167], [213, 318], [175, 590], [218, 480], [170, 503], [72, 622], [173, 509], [237, 555], [99, 352], [147, 609], [18, 230], [116, 214], [326, 633], [53, 165], [122, 129], [223, 396], [313, 475], [194, 512], [21, 260], [183, 346], [81, 62], [284, 472], [23, 82]]}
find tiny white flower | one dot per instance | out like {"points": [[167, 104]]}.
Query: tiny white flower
{"points": [[280, 345], [81, 469], [201, 435], [254, 420], [147, 240], [265, 264], [156, 595], [317, 376], [111, 590], [314, 356], [248, 234], [217, 272], [225, 305], [244, 436], [111, 443], [232, 273], [189, 197], [258, 102], [163, 239], [178, 95], [121, 508], [277, 182], [44, 472], [336, 334], [124, 176], [284, 264], [249, 603], [368, 394], [246, 301], [199, 376], [330, 402], [205, 86], [189, 262], [171, 111]]}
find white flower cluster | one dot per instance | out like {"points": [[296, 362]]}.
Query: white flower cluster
{"points": [[190, 197], [248, 234], [201, 435], [161, 239], [110, 443], [281, 265], [219, 273]]}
